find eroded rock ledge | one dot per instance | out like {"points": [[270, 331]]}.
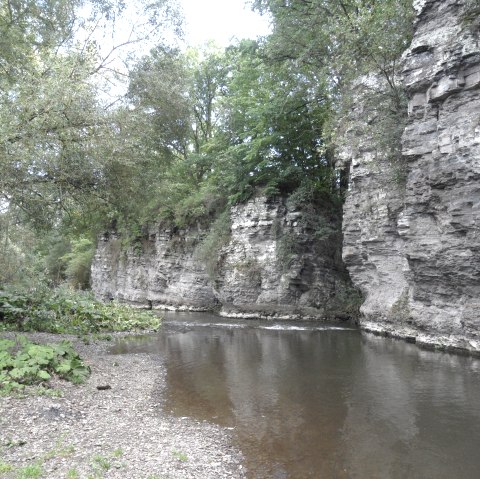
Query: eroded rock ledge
{"points": [[274, 265], [413, 247]]}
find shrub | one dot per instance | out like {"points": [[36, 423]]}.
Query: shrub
{"points": [[25, 363], [66, 311], [78, 262]]}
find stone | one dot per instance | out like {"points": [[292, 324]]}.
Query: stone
{"points": [[256, 279], [413, 247]]}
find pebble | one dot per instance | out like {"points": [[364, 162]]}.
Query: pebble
{"points": [[90, 423]]}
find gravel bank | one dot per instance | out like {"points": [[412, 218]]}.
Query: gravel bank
{"points": [[120, 432]]}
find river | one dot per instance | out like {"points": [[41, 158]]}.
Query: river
{"points": [[316, 400]]}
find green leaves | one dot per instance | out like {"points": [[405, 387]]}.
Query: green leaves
{"points": [[66, 311], [25, 363]]}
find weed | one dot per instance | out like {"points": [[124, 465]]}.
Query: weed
{"points": [[101, 462], [60, 450], [43, 391], [118, 452], [32, 471], [5, 467], [25, 363], [72, 474], [66, 311], [181, 456]]}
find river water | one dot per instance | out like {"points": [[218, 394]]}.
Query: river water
{"points": [[310, 400]]}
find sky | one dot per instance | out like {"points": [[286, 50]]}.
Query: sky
{"points": [[221, 21]]}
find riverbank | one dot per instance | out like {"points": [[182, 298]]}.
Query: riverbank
{"points": [[113, 426]]}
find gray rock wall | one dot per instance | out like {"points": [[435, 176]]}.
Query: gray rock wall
{"points": [[161, 272], [413, 247], [277, 264], [274, 265]]}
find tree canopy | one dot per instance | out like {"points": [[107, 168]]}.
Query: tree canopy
{"points": [[196, 130]]}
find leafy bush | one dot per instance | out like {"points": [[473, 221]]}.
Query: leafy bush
{"points": [[25, 363], [78, 262], [65, 311]]}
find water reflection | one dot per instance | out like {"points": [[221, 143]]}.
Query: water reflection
{"points": [[308, 401]]}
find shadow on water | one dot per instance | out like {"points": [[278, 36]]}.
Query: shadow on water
{"points": [[309, 400]]}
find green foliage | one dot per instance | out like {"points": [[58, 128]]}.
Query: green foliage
{"points": [[78, 262], [181, 456], [54, 127], [20, 260], [73, 474], [117, 452], [101, 463], [66, 311], [355, 37], [5, 467], [239, 123], [32, 471], [321, 213], [25, 363], [197, 131], [287, 250], [345, 304]]}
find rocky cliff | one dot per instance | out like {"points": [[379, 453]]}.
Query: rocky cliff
{"points": [[411, 241], [276, 262]]}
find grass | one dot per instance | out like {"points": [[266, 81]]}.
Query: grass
{"points": [[181, 456], [99, 465], [5, 467], [73, 473], [101, 462], [60, 310], [32, 471], [117, 453]]}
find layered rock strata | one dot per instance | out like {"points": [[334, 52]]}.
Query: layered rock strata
{"points": [[412, 246], [279, 264], [159, 272], [276, 264]]}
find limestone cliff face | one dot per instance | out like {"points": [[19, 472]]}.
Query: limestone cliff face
{"points": [[160, 272], [277, 264], [274, 265], [413, 246]]}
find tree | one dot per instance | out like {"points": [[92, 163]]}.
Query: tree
{"points": [[272, 123], [341, 39], [57, 129], [53, 122], [208, 126], [341, 42]]}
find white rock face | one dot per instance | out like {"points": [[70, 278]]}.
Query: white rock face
{"points": [[163, 273], [413, 249], [273, 266]]}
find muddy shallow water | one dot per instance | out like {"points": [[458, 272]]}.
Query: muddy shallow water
{"points": [[310, 400]]}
